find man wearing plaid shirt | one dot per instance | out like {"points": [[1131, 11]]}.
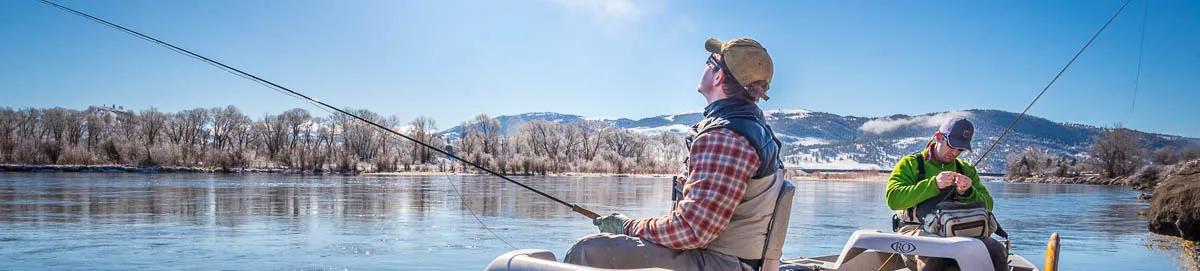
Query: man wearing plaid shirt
{"points": [[721, 218]]}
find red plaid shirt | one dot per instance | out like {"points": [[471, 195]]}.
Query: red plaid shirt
{"points": [[720, 165]]}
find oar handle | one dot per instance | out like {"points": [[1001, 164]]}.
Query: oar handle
{"points": [[584, 211], [1051, 253]]}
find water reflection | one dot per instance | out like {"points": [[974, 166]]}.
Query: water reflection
{"points": [[124, 221], [229, 200]]}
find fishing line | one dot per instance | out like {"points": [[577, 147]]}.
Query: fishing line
{"points": [[1060, 73], [1141, 48], [174, 49], [467, 206], [574, 207], [1044, 89]]}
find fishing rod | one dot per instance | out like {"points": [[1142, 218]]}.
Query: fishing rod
{"points": [[1044, 89], [277, 87], [1055, 79], [1039, 96]]}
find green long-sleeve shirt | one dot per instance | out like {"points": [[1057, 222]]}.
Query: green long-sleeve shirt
{"points": [[905, 191]]}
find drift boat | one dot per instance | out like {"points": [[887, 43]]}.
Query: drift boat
{"points": [[865, 250]]}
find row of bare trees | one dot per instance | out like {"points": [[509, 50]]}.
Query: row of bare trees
{"points": [[1117, 152], [540, 147], [224, 137], [1040, 163]]}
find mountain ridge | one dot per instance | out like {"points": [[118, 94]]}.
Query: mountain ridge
{"points": [[821, 140]]}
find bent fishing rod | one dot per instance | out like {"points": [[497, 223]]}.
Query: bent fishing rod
{"points": [[1055, 79], [285, 90], [1044, 89]]}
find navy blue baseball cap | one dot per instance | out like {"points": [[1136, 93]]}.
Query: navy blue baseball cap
{"points": [[958, 132]]}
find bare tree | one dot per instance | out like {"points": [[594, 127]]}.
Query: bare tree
{"points": [[310, 151], [591, 139], [1118, 152], [360, 139], [195, 135], [9, 119], [224, 137], [488, 129], [231, 134], [225, 120], [294, 125], [272, 134], [1189, 153], [96, 127], [1165, 156], [150, 124], [624, 143], [422, 129], [546, 140]]}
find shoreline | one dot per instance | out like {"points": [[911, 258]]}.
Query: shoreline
{"points": [[565, 174], [1089, 179], [826, 177], [823, 176], [206, 170]]}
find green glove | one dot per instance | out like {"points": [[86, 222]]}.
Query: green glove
{"points": [[614, 223]]}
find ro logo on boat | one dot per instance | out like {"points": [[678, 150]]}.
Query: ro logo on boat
{"points": [[903, 247]]}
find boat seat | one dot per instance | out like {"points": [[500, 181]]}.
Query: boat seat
{"points": [[777, 231], [970, 253], [540, 260], [543, 260]]}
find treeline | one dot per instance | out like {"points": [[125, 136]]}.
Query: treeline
{"points": [[590, 146], [1118, 152], [226, 139]]}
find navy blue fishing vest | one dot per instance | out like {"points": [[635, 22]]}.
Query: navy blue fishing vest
{"points": [[746, 119]]}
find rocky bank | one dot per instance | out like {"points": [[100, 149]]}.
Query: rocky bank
{"points": [[1175, 204]]}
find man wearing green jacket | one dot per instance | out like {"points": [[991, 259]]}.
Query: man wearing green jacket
{"points": [[945, 177]]}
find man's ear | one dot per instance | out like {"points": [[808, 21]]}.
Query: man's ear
{"points": [[719, 78]]}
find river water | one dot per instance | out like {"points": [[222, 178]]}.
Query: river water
{"points": [[279, 222]]}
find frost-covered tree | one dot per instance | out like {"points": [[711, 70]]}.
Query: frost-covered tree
{"points": [[1118, 152]]}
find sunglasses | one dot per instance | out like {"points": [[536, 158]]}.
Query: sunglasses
{"points": [[946, 139], [712, 60]]}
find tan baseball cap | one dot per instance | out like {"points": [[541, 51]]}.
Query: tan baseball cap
{"points": [[747, 61]]}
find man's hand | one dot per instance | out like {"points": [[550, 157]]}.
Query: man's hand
{"points": [[614, 223], [962, 183], [946, 179]]}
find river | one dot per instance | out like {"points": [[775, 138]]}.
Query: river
{"points": [[272, 222]]}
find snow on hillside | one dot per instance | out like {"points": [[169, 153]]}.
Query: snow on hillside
{"points": [[904, 143], [814, 160], [819, 140], [802, 141], [792, 114], [674, 128], [836, 165]]}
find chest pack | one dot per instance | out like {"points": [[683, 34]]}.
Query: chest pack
{"points": [[959, 219], [945, 217]]}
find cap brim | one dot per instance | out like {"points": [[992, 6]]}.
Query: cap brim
{"points": [[959, 143], [713, 45]]}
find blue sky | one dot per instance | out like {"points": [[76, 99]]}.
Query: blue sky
{"points": [[451, 60]]}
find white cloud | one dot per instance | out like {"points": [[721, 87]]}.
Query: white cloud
{"points": [[879, 126]]}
